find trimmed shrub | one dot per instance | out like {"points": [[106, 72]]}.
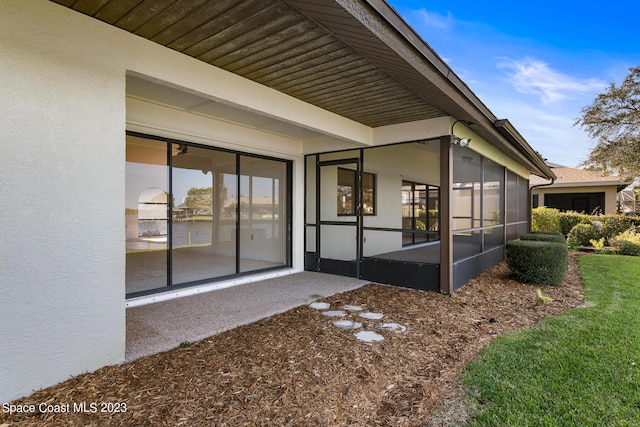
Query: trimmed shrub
{"points": [[627, 243], [536, 262], [581, 235], [544, 236], [568, 220], [545, 219]]}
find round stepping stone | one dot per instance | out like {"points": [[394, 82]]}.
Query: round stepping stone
{"points": [[347, 324], [368, 336], [369, 315], [352, 308], [319, 305], [334, 313], [395, 327]]}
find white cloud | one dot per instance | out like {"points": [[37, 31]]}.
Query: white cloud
{"points": [[434, 20], [534, 77], [547, 129]]}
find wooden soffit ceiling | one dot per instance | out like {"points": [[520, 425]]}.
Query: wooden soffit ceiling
{"points": [[312, 50]]}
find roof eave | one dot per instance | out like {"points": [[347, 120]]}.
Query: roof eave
{"points": [[489, 122]]}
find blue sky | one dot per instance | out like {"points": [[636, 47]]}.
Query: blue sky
{"points": [[536, 63]]}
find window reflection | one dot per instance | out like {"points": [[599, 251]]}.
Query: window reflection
{"points": [[203, 183], [262, 213], [347, 192], [196, 226], [146, 214]]}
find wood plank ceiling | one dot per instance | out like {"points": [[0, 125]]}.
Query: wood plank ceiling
{"points": [[275, 44]]}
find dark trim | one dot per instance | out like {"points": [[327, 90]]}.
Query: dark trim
{"points": [[238, 210], [338, 162], [471, 267], [318, 213], [415, 275], [351, 223], [169, 281], [289, 214], [446, 229], [336, 266]]}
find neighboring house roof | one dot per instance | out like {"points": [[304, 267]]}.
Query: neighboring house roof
{"points": [[356, 58], [571, 177]]}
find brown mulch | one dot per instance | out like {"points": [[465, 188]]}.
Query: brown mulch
{"points": [[297, 368]]}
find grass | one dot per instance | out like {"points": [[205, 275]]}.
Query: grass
{"points": [[581, 368]]}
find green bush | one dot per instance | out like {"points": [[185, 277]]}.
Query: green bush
{"points": [[612, 225], [545, 219], [537, 262], [568, 220], [544, 236], [627, 243], [581, 235], [604, 226]]}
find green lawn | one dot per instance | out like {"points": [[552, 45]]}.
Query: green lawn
{"points": [[581, 368]]}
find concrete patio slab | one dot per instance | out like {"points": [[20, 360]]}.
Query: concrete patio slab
{"points": [[162, 326]]}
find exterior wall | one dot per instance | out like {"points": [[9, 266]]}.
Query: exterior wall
{"points": [[62, 184], [62, 293], [610, 194], [412, 131]]}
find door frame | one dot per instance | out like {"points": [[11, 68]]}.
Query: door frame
{"points": [[329, 265]]}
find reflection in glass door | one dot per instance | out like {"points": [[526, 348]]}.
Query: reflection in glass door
{"points": [[146, 214], [203, 228], [263, 216]]}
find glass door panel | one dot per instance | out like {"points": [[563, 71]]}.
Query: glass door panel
{"points": [[203, 213], [263, 242], [146, 214]]}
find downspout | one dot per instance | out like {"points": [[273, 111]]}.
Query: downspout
{"points": [[553, 180]]}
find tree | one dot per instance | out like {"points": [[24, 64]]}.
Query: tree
{"points": [[200, 200], [613, 120]]}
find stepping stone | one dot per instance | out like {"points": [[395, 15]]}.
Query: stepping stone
{"points": [[369, 315], [347, 324], [319, 305], [395, 327], [334, 313], [352, 308], [368, 336]]}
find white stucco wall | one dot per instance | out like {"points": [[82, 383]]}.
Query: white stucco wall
{"points": [[62, 154], [61, 194]]}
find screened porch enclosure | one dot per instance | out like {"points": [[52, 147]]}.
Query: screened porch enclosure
{"points": [[373, 213], [376, 213]]}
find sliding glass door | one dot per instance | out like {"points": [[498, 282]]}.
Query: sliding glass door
{"points": [[196, 214]]}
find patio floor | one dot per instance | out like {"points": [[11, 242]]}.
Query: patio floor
{"points": [[162, 326]]}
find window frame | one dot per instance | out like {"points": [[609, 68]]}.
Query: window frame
{"points": [[368, 193]]}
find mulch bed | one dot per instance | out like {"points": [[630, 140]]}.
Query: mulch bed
{"points": [[297, 368]]}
